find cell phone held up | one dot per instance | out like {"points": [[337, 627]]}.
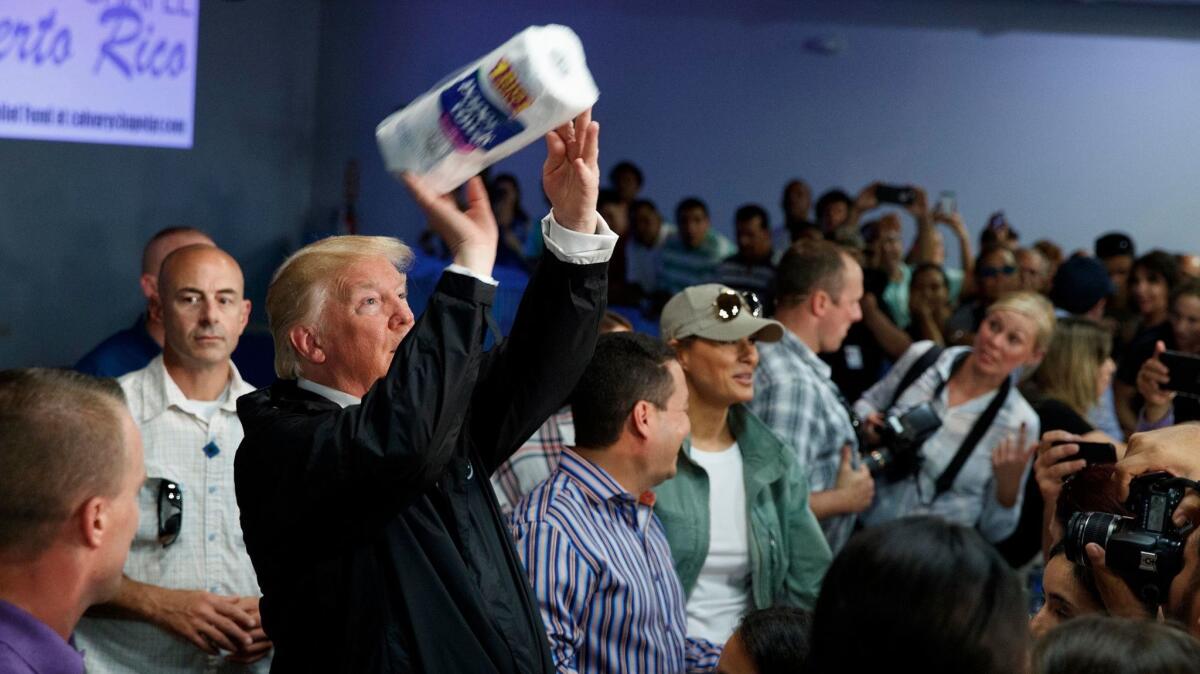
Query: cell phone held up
{"points": [[895, 194], [1091, 452], [1184, 370]]}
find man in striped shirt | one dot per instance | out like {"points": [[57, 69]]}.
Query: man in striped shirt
{"points": [[596, 554]]}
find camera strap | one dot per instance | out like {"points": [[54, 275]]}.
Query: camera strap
{"points": [[946, 480], [914, 372]]}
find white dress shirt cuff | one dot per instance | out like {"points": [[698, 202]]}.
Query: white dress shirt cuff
{"points": [[459, 269], [576, 248]]}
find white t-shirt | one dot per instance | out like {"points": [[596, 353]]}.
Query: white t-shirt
{"points": [[722, 592]]}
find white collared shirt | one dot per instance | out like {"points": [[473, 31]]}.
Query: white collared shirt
{"points": [[208, 554]]}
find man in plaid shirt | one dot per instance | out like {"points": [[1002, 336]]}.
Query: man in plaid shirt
{"points": [[818, 290]]}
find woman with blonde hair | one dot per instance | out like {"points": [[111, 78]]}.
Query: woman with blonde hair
{"points": [[1072, 377], [969, 463]]}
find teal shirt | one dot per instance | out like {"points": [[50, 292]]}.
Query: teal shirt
{"points": [[788, 552], [680, 267]]}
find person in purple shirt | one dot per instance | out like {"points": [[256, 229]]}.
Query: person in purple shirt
{"points": [[70, 469]]}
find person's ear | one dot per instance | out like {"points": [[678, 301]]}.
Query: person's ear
{"points": [[155, 308], [149, 284], [94, 520], [1036, 359], [819, 302], [641, 419], [681, 354], [245, 316], [306, 343]]}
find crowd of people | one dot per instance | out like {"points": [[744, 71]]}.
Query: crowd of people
{"points": [[835, 451]]}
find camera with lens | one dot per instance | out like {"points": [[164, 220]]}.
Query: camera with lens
{"points": [[898, 454], [1145, 549]]}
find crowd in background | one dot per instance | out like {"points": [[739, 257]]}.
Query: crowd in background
{"points": [[832, 451]]}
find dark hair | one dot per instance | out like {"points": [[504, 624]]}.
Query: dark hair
{"points": [[1107, 645], [1082, 574], [776, 638], [809, 266], [828, 199], [1159, 264], [750, 211], [641, 203], [625, 368], [1188, 287], [991, 249], [1092, 489], [61, 442], [919, 594], [518, 211], [929, 266], [606, 197], [626, 166], [688, 204]]}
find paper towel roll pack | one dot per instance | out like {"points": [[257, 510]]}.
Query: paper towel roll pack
{"points": [[506, 100]]}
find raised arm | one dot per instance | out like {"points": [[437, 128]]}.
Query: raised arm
{"points": [[531, 374]]}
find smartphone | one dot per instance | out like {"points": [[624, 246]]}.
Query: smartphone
{"points": [[946, 203], [895, 194], [1092, 452], [1185, 372]]}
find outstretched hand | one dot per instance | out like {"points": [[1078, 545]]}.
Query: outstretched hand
{"points": [[571, 174], [1010, 458], [470, 235]]}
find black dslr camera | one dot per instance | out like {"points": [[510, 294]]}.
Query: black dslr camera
{"points": [[901, 436], [1145, 550]]}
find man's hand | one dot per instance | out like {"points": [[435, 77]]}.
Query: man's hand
{"points": [[1009, 460], [208, 621], [1118, 598], [1051, 467], [1151, 377], [856, 484], [261, 646], [1171, 449], [571, 174], [470, 235]]}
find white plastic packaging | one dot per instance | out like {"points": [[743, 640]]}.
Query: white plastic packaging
{"points": [[506, 100]]}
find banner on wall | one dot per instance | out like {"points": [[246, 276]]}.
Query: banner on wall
{"points": [[99, 71]]}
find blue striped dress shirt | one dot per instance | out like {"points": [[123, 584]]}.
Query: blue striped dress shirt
{"points": [[601, 569]]}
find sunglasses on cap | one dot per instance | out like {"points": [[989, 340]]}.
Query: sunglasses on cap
{"points": [[170, 512], [989, 272], [729, 304]]}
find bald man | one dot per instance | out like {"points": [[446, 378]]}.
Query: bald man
{"points": [[189, 597], [132, 348]]}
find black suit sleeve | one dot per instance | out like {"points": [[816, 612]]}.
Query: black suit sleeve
{"points": [[531, 374]]}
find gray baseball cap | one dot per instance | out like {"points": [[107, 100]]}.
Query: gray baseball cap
{"points": [[717, 312]]}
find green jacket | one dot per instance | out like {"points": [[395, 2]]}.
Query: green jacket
{"points": [[788, 552]]}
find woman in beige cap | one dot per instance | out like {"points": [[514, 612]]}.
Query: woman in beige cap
{"points": [[736, 513]]}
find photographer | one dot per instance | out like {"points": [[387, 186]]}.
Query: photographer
{"points": [[969, 464], [1170, 450]]}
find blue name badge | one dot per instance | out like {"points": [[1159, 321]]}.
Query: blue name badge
{"points": [[211, 449]]}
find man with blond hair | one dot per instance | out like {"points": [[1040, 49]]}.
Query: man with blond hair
{"points": [[363, 478]]}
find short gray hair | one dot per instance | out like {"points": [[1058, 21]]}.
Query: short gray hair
{"points": [[301, 285]]}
